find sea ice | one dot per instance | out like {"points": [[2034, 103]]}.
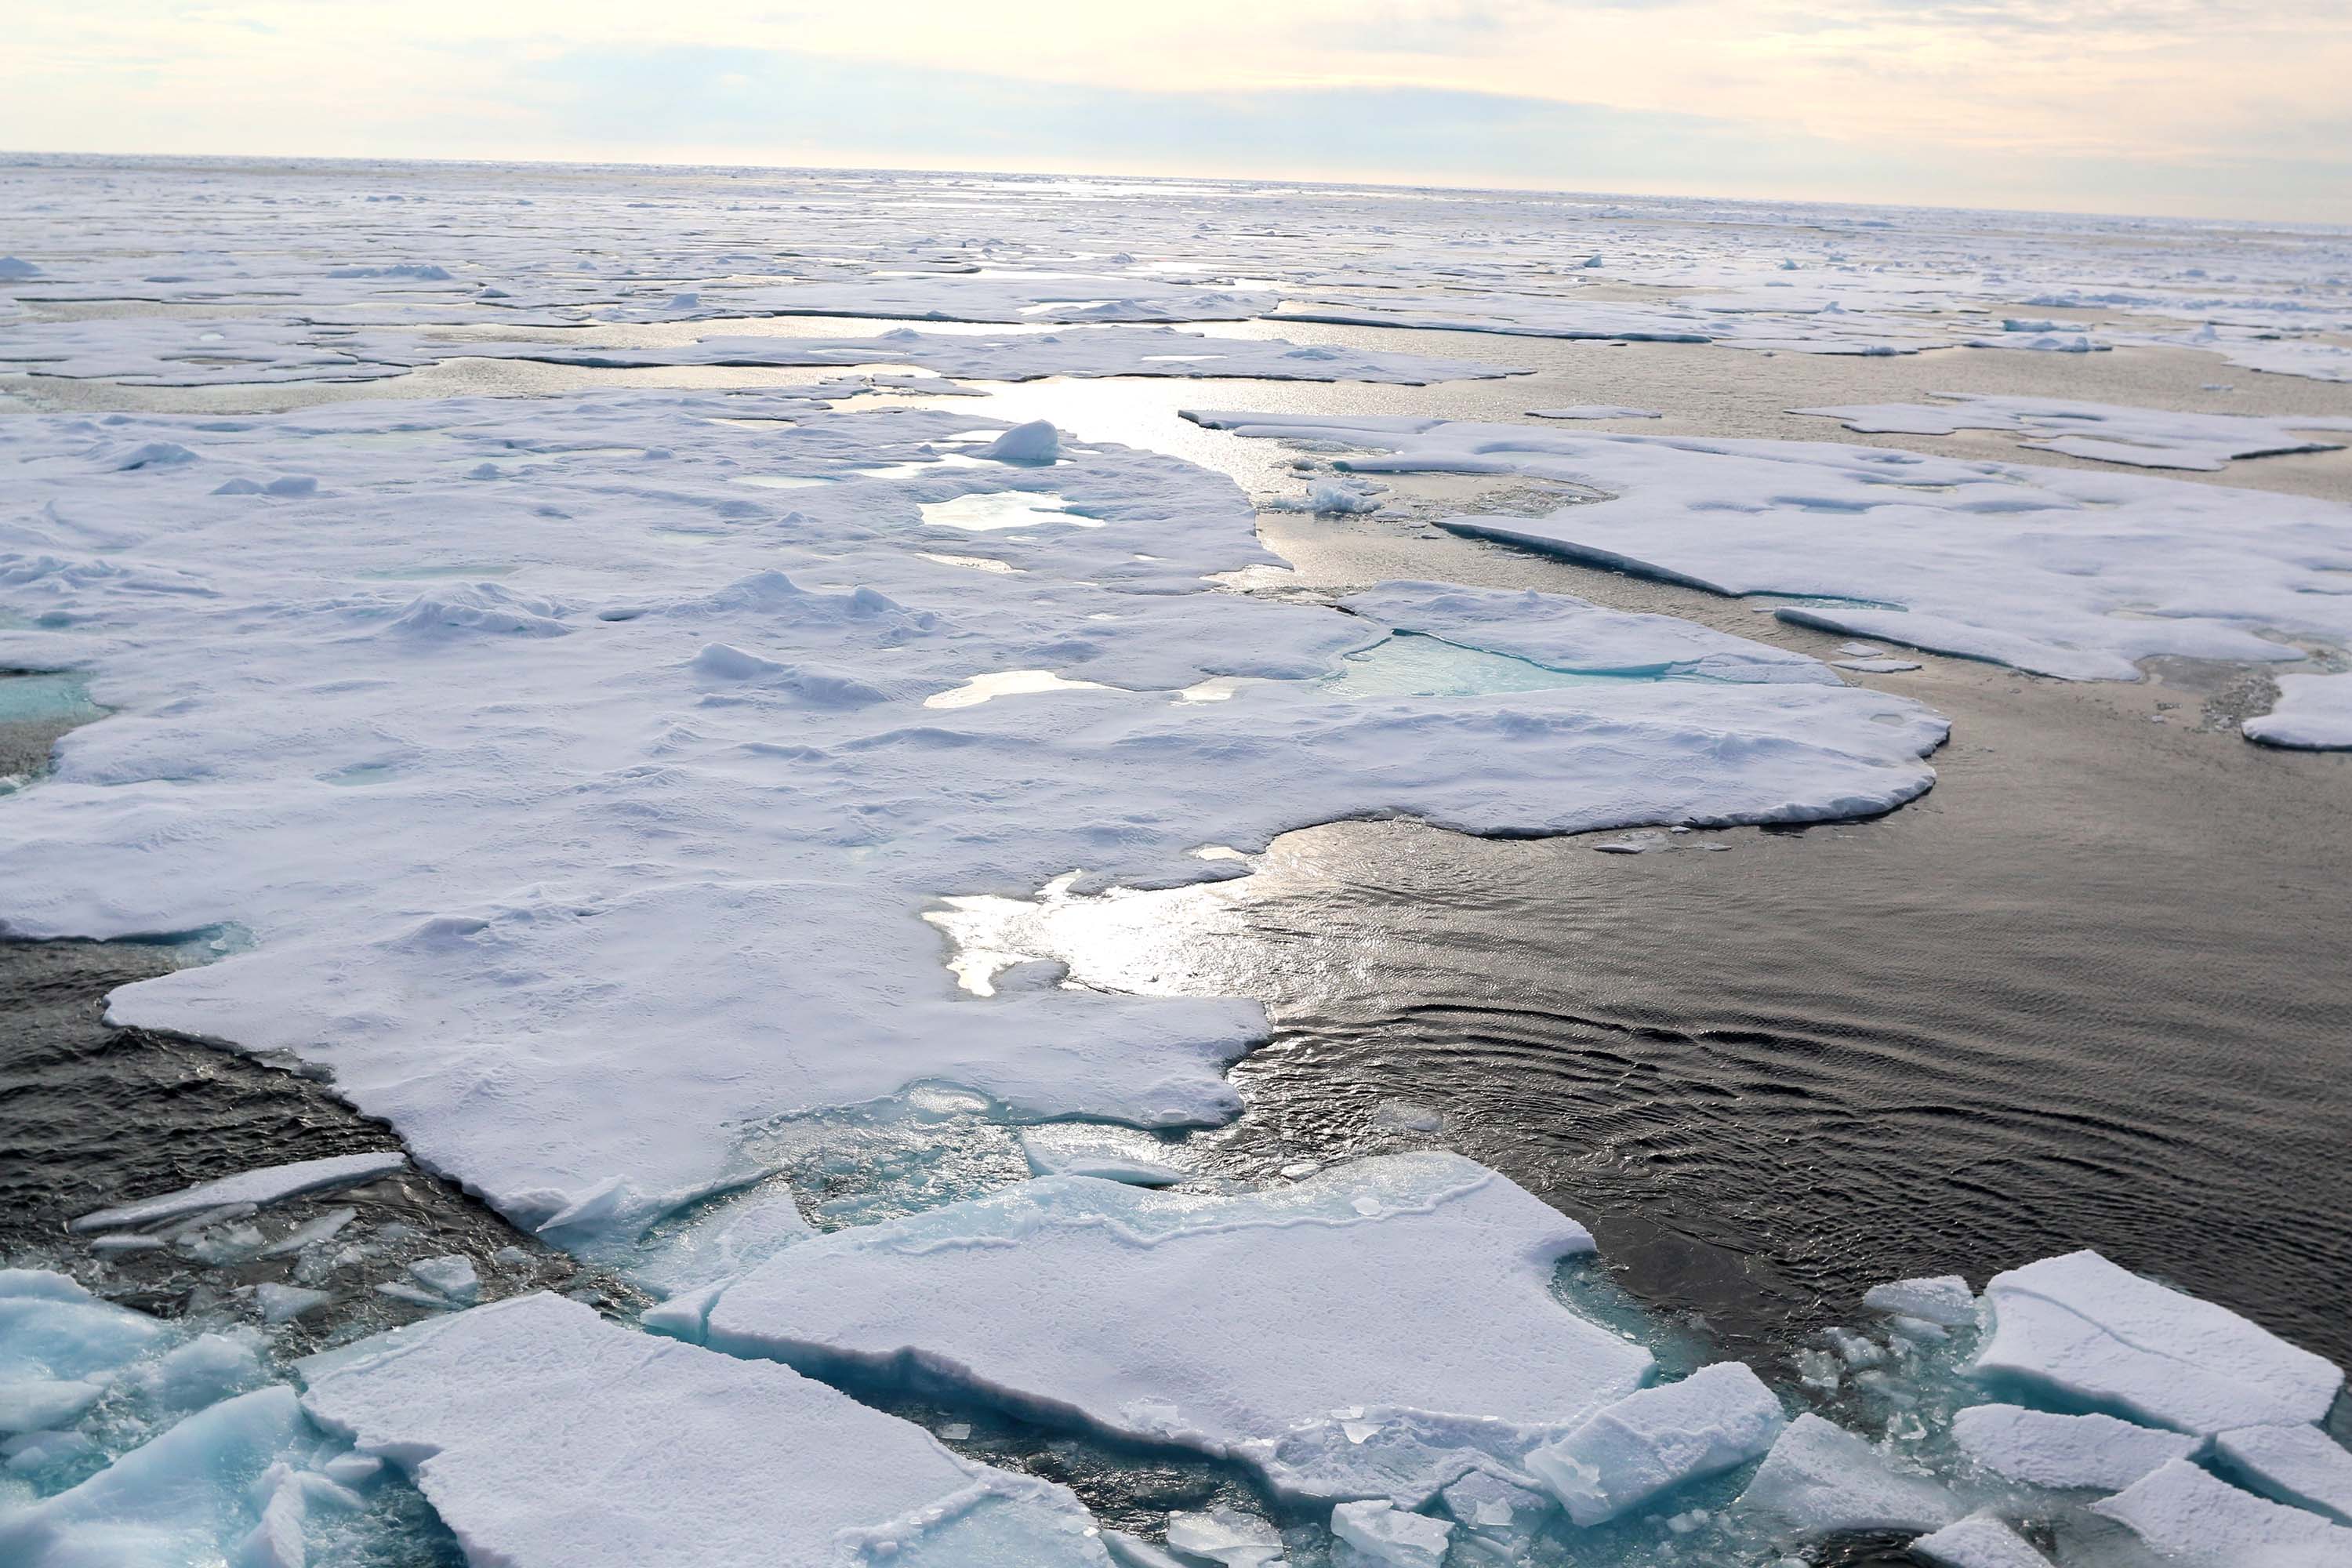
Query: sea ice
{"points": [[2190, 1519], [2298, 1465], [2085, 1331], [1719, 1417], [1092, 1149], [1228, 1536], [2044, 1448], [1979, 1541], [1595, 411], [1821, 1479], [1945, 1299], [523, 1420], [2078, 574], [2314, 712], [2141, 437], [1261, 1327], [452, 1276], [1388, 1534], [269, 1185], [284, 1303]]}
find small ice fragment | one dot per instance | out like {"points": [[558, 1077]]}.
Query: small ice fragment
{"points": [[2043, 1448], [1386, 1534], [262, 1186], [1821, 1479], [413, 1296], [2298, 1465], [311, 1230], [955, 1431], [1876, 666], [453, 1275], [1945, 1298], [1979, 1541], [1225, 1535], [1412, 1117], [1115, 1153], [1856, 1350], [127, 1241], [283, 1304], [1657, 1438], [1859, 650], [351, 1470], [1036, 442]]}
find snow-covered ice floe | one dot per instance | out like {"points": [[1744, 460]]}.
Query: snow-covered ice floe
{"points": [[582, 801], [2140, 437], [2314, 712], [2077, 575]]}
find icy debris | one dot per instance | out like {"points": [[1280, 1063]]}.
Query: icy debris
{"points": [[1979, 1541], [1719, 1417], [2314, 712], [2297, 1464], [2060, 571], [2043, 1448], [1036, 443], [1228, 1536], [526, 1416], [310, 1232], [178, 1498], [1328, 498], [1821, 1479], [2192, 1519], [1495, 1513], [1561, 632], [1262, 1326], [1945, 1299], [1093, 1148], [1388, 1534], [452, 1276], [262, 1186], [1595, 411], [2097, 1336], [284, 1303]]}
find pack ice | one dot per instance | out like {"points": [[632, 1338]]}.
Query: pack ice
{"points": [[2077, 575], [575, 772]]}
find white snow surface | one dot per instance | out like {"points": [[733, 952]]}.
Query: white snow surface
{"points": [[2109, 433], [1326, 1334], [1979, 1541], [582, 908], [2065, 573], [2314, 712], [2190, 1518], [268, 1186], [527, 1420], [2079, 1327], [2047, 1449], [1656, 1438], [2299, 1465]]}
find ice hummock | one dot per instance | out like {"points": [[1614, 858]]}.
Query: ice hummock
{"points": [[548, 1438], [2085, 1331], [1267, 1327]]}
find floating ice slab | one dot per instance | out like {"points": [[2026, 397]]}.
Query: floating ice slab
{"points": [[1226, 1536], [1263, 1327], [2084, 1330], [522, 1420], [2314, 712], [2141, 437], [690, 801], [1821, 1479], [1387, 1533], [1944, 1299], [2044, 1448], [2190, 1518], [2064, 573], [269, 1185], [1719, 1417], [1113, 1153], [1979, 1541], [2298, 1465], [1565, 633]]}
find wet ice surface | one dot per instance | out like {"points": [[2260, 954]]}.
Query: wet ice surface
{"points": [[708, 626]]}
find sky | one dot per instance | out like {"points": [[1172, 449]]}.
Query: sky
{"points": [[2194, 108]]}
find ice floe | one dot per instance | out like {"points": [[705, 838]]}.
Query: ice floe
{"points": [[1716, 1419], [2190, 1518], [268, 1186], [2046, 1448], [2298, 1465], [1820, 1479], [1261, 1327], [2141, 437], [2078, 574], [1979, 1541], [2314, 712]]}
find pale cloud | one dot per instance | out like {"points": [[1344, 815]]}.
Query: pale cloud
{"points": [[1921, 100]]}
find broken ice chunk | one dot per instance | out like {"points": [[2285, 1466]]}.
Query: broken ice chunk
{"points": [[1718, 1417], [284, 1303], [1979, 1541], [453, 1275], [53, 1331], [1821, 1479], [1945, 1299], [311, 1230], [1036, 442], [34, 1405], [1225, 1535], [2095, 1334], [2190, 1519], [535, 1414], [1387, 1533], [1091, 1149], [263, 1187], [2297, 1464], [206, 1369], [1264, 1326], [2045, 1449]]}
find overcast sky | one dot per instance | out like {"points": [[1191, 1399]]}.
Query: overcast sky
{"points": [[2221, 107]]}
